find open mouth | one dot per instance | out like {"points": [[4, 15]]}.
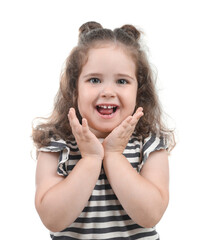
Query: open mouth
{"points": [[106, 109]]}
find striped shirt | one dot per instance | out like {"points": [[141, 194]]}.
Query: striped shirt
{"points": [[104, 217]]}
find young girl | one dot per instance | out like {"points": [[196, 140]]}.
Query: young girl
{"points": [[102, 170]]}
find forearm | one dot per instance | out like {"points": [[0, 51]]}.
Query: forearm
{"points": [[141, 199], [63, 203]]}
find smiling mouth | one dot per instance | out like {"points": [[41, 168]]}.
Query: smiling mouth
{"points": [[106, 109]]}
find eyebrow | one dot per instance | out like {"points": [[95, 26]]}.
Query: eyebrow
{"points": [[92, 75], [100, 75], [125, 75]]}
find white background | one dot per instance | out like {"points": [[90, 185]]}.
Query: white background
{"points": [[36, 37]]}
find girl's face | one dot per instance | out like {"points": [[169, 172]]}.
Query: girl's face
{"points": [[107, 89]]}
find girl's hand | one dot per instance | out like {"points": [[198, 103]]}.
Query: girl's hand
{"points": [[117, 140], [88, 143]]}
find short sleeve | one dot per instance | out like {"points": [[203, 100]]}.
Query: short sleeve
{"points": [[63, 148], [151, 144]]}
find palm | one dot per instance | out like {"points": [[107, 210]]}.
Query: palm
{"points": [[88, 143], [117, 140]]}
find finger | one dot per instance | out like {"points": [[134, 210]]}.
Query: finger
{"points": [[74, 123], [72, 116], [127, 124], [71, 113], [85, 125], [132, 120], [139, 109], [139, 112], [137, 115]]}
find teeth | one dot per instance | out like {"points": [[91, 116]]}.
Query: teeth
{"points": [[105, 107]]}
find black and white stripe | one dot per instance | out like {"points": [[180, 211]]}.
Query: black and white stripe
{"points": [[104, 217]]}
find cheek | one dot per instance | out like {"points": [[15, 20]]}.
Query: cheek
{"points": [[81, 93], [84, 96], [132, 100], [131, 95], [81, 102], [84, 101]]}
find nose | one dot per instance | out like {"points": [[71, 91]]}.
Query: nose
{"points": [[108, 91]]}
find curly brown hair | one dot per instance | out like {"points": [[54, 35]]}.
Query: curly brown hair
{"points": [[92, 35]]}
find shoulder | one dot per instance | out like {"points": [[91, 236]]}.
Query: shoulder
{"points": [[153, 143], [62, 149], [147, 145], [58, 145]]}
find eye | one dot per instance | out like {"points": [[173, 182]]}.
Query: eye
{"points": [[122, 81], [94, 80]]}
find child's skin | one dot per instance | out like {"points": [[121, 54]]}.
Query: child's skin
{"points": [[110, 81]]}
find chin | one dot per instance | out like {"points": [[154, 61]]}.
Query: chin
{"points": [[102, 133]]}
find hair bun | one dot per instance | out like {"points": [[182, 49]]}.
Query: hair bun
{"points": [[88, 26], [131, 31]]}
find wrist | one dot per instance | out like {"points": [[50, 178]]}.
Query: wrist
{"points": [[93, 157], [112, 154]]}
